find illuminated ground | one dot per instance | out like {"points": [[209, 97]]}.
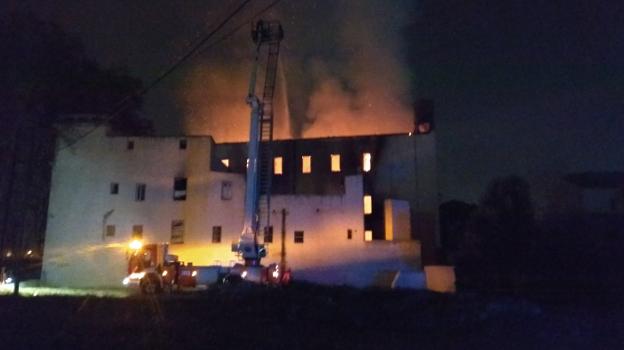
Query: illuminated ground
{"points": [[33, 290], [311, 317]]}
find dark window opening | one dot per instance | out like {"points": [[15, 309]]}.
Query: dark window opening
{"points": [[349, 234], [226, 190], [140, 192], [298, 236], [183, 144], [110, 230], [137, 231], [268, 234], [114, 188], [177, 231], [130, 145], [179, 189], [216, 234]]}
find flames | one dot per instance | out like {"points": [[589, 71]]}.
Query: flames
{"points": [[359, 87]]}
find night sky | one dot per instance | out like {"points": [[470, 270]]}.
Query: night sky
{"points": [[532, 88]]}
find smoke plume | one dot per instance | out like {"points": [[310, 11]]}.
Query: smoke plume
{"points": [[342, 74]]}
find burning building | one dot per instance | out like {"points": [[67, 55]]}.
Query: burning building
{"points": [[344, 210]]}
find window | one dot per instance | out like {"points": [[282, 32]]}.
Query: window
{"points": [[114, 188], [225, 162], [366, 162], [335, 163], [216, 234], [368, 235], [177, 231], [268, 234], [137, 231], [130, 145], [349, 234], [179, 189], [182, 144], [368, 204], [277, 166], [110, 230], [306, 165], [247, 163], [140, 192], [298, 236], [226, 190]]}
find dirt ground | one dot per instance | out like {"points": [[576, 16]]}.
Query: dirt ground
{"points": [[312, 317]]}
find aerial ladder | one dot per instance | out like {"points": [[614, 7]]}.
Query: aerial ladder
{"points": [[266, 34]]}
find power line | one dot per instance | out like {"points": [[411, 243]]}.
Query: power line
{"points": [[121, 105]]}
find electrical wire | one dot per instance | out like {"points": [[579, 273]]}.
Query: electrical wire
{"points": [[121, 105]]}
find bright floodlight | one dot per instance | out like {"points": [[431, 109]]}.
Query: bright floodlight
{"points": [[136, 244]]}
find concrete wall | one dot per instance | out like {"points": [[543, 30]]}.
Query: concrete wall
{"points": [[77, 252]]}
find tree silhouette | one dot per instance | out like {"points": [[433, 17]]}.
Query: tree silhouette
{"points": [[45, 74]]}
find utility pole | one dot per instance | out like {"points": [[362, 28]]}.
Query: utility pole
{"points": [[283, 252]]}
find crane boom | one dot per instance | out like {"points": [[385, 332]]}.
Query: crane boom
{"points": [[266, 33]]}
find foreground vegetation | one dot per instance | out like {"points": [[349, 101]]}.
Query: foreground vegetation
{"points": [[313, 317]]}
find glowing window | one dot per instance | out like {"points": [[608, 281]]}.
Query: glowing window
{"points": [[306, 164], [225, 162], [368, 204], [335, 163], [368, 235], [277, 166], [366, 162]]}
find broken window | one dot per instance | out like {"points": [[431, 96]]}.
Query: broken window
{"points": [[177, 231], [110, 230], [335, 163], [368, 235], [225, 162], [140, 192], [306, 164], [179, 189], [366, 162], [268, 234], [182, 144], [226, 190], [368, 204], [130, 145], [216, 234], [298, 236], [137, 231], [114, 188], [277, 166]]}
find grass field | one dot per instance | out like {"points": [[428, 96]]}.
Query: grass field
{"points": [[310, 317]]}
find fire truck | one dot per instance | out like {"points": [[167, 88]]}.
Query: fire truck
{"points": [[153, 270]]}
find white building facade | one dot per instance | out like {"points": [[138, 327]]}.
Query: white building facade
{"points": [[107, 189]]}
